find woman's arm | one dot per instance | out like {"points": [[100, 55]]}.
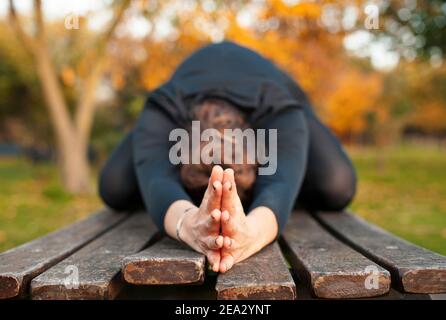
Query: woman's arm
{"points": [[278, 191], [274, 195], [158, 179]]}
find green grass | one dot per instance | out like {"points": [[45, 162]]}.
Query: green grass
{"points": [[402, 189], [33, 203]]}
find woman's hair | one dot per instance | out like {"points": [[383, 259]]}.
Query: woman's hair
{"points": [[218, 114]]}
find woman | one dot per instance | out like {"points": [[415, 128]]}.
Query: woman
{"points": [[312, 168]]}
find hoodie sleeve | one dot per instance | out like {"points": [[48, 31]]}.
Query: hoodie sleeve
{"points": [[278, 191], [158, 179]]}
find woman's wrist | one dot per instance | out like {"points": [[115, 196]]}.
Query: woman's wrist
{"points": [[186, 231], [181, 222], [264, 226], [175, 218], [254, 238]]}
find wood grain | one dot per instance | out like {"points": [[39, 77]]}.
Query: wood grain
{"points": [[98, 264], [329, 267], [262, 276], [166, 262], [20, 265], [414, 269]]}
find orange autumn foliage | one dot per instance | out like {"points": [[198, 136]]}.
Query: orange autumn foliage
{"points": [[352, 102], [431, 116], [426, 92], [341, 93]]}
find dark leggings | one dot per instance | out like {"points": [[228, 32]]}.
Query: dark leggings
{"points": [[329, 183]]}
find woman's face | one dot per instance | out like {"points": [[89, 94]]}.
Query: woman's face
{"points": [[219, 115], [195, 177]]}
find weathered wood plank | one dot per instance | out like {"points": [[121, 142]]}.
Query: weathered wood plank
{"points": [[262, 276], [305, 293], [166, 262], [413, 268], [97, 265], [438, 296], [330, 268], [21, 264], [204, 291]]}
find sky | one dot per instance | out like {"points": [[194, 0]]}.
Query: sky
{"points": [[360, 43]]}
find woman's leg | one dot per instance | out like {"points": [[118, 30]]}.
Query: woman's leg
{"points": [[330, 179], [118, 186]]}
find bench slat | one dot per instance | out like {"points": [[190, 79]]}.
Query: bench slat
{"points": [[98, 264], [262, 276], [19, 265], [166, 262], [413, 268], [331, 268]]}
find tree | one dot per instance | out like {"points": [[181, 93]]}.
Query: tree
{"points": [[72, 131], [344, 93], [416, 26]]}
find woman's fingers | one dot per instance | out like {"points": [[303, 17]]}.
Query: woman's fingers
{"points": [[214, 260], [216, 174], [213, 224], [214, 199], [228, 223], [215, 189], [227, 242], [226, 262], [224, 217], [227, 202], [216, 215], [230, 199], [214, 243], [231, 177]]}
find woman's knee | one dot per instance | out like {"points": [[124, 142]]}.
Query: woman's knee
{"points": [[116, 191], [118, 186], [338, 189], [110, 191]]}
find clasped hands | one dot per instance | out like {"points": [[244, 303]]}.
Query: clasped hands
{"points": [[219, 228]]}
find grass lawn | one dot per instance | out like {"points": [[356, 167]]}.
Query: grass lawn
{"points": [[33, 203], [402, 189]]}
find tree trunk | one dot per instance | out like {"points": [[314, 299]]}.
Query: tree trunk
{"points": [[71, 136], [74, 166], [72, 150]]}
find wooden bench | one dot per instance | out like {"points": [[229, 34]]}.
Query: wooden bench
{"points": [[122, 256]]}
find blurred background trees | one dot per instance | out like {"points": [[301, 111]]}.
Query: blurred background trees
{"points": [[71, 132], [371, 86]]}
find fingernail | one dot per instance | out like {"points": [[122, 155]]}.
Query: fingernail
{"points": [[215, 213]]}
